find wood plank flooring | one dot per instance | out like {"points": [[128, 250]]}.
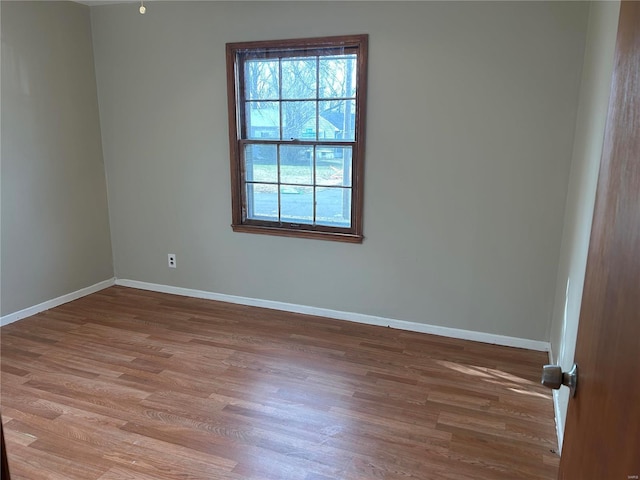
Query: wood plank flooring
{"points": [[127, 384]]}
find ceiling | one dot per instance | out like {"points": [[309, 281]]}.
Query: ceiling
{"points": [[92, 3]]}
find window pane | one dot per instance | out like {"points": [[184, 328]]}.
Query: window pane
{"points": [[337, 120], [333, 165], [299, 120], [262, 202], [263, 120], [261, 80], [261, 163], [299, 77], [296, 204], [296, 164], [333, 206], [337, 77]]}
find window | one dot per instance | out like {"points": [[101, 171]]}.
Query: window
{"points": [[296, 131]]}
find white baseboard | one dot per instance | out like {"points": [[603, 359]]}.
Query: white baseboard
{"points": [[27, 312], [349, 316], [559, 425], [556, 407], [290, 307]]}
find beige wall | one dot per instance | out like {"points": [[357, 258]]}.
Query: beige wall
{"points": [[55, 231], [587, 149], [470, 128]]}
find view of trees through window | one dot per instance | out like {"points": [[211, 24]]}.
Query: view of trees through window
{"points": [[300, 99], [297, 112]]}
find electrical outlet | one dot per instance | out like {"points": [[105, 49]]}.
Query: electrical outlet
{"points": [[172, 260]]}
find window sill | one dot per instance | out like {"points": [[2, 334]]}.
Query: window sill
{"points": [[299, 233]]}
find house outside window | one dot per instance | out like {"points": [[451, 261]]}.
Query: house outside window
{"points": [[296, 131]]}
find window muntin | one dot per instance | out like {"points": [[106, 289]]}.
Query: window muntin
{"points": [[296, 111]]}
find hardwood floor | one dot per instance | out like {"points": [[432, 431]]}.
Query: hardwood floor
{"points": [[128, 384]]}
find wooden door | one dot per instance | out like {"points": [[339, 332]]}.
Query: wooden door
{"points": [[602, 434]]}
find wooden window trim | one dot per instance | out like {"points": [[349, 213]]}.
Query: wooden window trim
{"points": [[301, 47]]}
